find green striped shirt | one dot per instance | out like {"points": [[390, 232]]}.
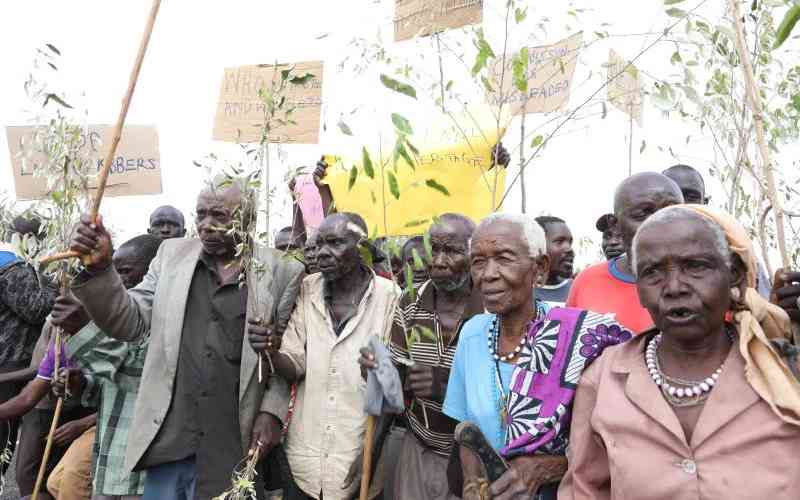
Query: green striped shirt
{"points": [[113, 370]]}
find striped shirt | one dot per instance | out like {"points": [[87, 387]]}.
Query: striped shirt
{"points": [[416, 321], [113, 370]]}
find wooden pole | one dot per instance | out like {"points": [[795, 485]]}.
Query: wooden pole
{"points": [[366, 469], [754, 99], [102, 179], [630, 139], [56, 417]]}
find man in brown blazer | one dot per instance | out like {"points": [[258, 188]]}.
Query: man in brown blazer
{"points": [[201, 407]]}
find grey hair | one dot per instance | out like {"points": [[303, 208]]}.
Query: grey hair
{"points": [[679, 213], [532, 232]]}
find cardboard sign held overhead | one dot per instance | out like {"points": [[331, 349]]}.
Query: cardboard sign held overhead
{"points": [[240, 112], [425, 17], [624, 86], [550, 72], [136, 168]]}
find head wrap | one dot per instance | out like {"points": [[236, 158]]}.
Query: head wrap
{"points": [[758, 323]]}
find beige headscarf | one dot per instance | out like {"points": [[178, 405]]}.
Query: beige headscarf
{"points": [[759, 322]]}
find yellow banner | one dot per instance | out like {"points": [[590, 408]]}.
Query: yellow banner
{"points": [[455, 159]]}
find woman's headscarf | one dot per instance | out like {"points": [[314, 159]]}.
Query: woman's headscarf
{"points": [[758, 323]]}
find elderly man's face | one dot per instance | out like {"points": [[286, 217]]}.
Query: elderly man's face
{"points": [[683, 281], [310, 255], [216, 210], [449, 267], [642, 200], [502, 267], [129, 265], [337, 249]]}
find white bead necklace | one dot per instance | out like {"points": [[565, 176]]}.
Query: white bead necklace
{"points": [[693, 391], [494, 344]]}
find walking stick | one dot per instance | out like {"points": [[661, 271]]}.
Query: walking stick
{"points": [[366, 467], [117, 133], [56, 416]]}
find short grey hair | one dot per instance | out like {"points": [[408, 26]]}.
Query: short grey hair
{"points": [[677, 213], [531, 231]]}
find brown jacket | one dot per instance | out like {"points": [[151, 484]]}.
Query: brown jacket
{"points": [[627, 443], [157, 307]]}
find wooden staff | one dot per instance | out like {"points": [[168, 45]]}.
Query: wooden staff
{"points": [[366, 467], [56, 417], [754, 98], [102, 180]]}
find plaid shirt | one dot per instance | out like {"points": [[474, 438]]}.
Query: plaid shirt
{"points": [[113, 370]]}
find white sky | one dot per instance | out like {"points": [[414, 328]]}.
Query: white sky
{"points": [[194, 41]]}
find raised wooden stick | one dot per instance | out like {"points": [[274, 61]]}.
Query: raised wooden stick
{"points": [[754, 99], [102, 179], [366, 468]]}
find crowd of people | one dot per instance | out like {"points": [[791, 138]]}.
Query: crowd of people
{"points": [[668, 370]]}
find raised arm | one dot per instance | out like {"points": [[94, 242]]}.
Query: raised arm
{"points": [[122, 314]]}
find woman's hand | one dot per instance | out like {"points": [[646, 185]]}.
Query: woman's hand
{"points": [[526, 475]]}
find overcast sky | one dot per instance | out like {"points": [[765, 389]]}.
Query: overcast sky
{"points": [[194, 40]]}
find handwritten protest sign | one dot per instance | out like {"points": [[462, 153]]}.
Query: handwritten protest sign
{"points": [[425, 17], [624, 86], [457, 158], [550, 72], [135, 170], [240, 112]]}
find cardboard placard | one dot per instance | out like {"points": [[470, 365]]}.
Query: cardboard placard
{"points": [[425, 17], [624, 86], [136, 168], [550, 72], [240, 112]]}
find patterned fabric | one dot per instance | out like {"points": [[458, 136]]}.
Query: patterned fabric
{"points": [[424, 417], [24, 306], [113, 370], [543, 383]]}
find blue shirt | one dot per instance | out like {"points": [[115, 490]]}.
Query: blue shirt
{"points": [[477, 400]]}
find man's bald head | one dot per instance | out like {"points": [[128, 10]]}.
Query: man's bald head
{"points": [[691, 183], [225, 203], [640, 196], [167, 222]]}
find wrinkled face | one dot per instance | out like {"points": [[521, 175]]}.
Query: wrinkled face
{"points": [[166, 223], [559, 248], [691, 185], [419, 272], [683, 281], [640, 202], [337, 249], [216, 211], [130, 267], [449, 267], [612, 243], [502, 267], [310, 255]]}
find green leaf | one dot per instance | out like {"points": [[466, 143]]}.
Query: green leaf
{"points": [[53, 48], [416, 222], [402, 124], [426, 241], [400, 151], [353, 177], [366, 255], [418, 262], [398, 86], [345, 128], [410, 288], [485, 53], [449, 85], [676, 12], [487, 84], [394, 188], [537, 141], [57, 99], [367, 163], [426, 332], [672, 2], [519, 66], [787, 25], [301, 80], [431, 183]]}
